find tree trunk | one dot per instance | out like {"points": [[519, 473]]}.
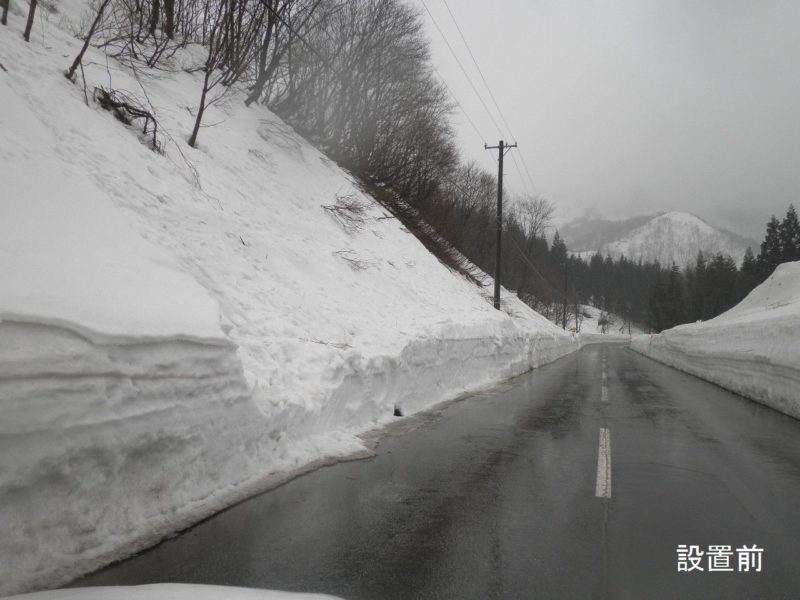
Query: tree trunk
{"points": [[154, 17], [4, 18], [200, 110], [71, 72], [169, 18], [31, 12]]}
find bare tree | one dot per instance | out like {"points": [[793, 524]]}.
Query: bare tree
{"points": [[534, 214], [235, 29], [70, 74], [214, 60]]}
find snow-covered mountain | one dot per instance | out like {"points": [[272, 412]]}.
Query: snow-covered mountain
{"points": [[668, 237]]}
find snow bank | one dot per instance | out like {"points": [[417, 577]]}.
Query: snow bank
{"points": [[169, 591], [753, 349], [103, 446], [179, 331]]}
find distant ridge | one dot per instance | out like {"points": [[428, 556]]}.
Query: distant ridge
{"points": [[666, 237]]}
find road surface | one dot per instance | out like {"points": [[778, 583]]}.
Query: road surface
{"points": [[577, 480]]}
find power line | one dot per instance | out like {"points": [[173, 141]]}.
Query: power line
{"points": [[524, 164], [460, 106], [463, 70], [475, 62], [519, 172], [491, 95], [534, 269]]}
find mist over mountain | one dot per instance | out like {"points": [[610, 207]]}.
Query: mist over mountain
{"points": [[666, 237]]}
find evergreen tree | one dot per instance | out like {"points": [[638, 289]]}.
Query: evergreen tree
{"points": [[558, 250], [674, 309], [771, 252], [722, 284], [697, 287], [748, 275], [655, 310], [789, 236]]}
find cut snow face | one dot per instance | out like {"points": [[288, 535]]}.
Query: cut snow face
{"points": [[179, 331], [752, 349]]}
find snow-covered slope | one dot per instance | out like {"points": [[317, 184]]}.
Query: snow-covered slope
{"points": [[753, 349], [590, 330], [178, 331], [590, 322], [670, 237]]}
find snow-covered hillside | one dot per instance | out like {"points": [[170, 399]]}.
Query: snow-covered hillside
{"points": [[179, 331], [670, 237], [594, 320], [753, 349]]}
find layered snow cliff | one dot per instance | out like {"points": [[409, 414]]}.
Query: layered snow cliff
{"points": [[178, 331]]}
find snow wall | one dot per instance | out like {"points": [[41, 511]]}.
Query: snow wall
{"points": [[753, 349], [179, 331]]}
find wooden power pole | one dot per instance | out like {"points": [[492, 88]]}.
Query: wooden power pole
{"points": [[564, 322], [502, 149]]}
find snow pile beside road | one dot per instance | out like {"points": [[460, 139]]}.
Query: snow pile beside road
{"points": [[169, 591], [752, 349], [179, 331]]}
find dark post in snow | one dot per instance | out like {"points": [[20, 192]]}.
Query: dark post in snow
{"points": [[29, 24], [564, 322], [502, 149]]}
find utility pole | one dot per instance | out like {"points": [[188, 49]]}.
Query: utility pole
{"points": [[564, 322], [502, 149], [576, 310]]}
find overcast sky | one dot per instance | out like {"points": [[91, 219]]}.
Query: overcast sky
{"points": [[630, 107]]}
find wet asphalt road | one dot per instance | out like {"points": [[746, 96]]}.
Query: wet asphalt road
{"points": [[495, 496]]}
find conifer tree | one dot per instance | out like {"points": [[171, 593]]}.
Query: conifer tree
{"points": [[655, 309], [558, 250], [748, 275], [770, 255], [674, 304], [722, 280], [789, 236], [697, 285]]}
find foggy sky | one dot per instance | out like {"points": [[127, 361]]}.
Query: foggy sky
{"points": [[630, 107]]}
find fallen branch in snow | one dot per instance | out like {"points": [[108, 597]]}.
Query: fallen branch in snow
{"points": [[353, 261], [126, 111], [349, 211]]}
